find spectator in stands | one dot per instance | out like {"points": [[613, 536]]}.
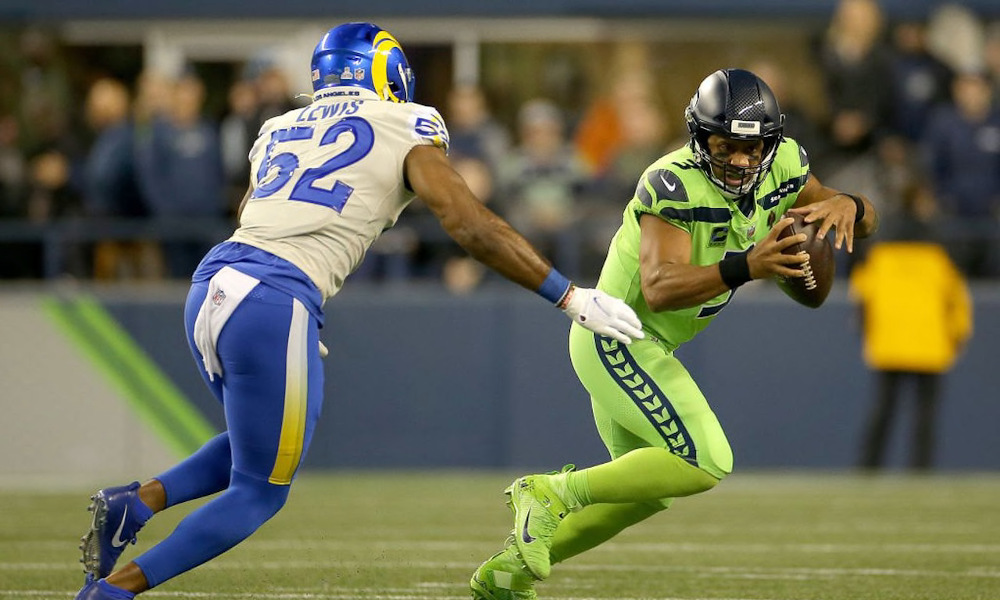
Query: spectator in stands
{"points": [[46, 88], [152, 101], [16, 259], [601, 132], [800, 124], [916, 316], [962, 150], [644, 134], [12, 169], [854, 65], [273, 95], [236, 136], [474, 132], [643, 137], [542, 180], [479, 145], [50, 194], [181, 175], [919, 81], [111, 188], [955, 35], [51, 197]]}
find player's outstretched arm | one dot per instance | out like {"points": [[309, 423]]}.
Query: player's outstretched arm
{"points": [[493, 242], [484, 235]]}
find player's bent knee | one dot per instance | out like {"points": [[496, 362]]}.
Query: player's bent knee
{"points": [[708, 481], [699, 481], [261, 498], [660, 505]]}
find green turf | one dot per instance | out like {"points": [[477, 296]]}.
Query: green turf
{"points": [[409, 536]]}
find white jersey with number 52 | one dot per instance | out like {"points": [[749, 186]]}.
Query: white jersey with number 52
{"points": [[328, 180]]}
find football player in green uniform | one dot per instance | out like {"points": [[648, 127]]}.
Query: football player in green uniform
{"points": [[704, 220]]}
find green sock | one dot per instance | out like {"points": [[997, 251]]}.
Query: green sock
{"points": [[571, 487], [640, 476], [579, 487]]}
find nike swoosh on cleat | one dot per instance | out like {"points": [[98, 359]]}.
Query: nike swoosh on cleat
{"points": [[524, 532], [117, 540]]}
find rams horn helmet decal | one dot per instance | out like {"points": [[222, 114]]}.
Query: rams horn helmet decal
{"points": [[370, 55]]}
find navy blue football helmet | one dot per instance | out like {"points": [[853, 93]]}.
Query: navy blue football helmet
{"points": [[363, 55], [738, 105]]}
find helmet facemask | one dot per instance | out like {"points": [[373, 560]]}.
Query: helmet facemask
{"points": [[738, 106], [724, 174]]}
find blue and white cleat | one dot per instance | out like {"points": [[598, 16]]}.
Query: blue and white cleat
{"points": [[102, 590], [115, 523]]}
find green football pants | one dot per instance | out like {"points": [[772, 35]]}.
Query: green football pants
{"points": [[642, 396]]}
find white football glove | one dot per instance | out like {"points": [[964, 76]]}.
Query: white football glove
{"points": [[602, 314]]}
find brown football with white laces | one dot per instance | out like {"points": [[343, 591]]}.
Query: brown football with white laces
{"points": [[812, 289]]}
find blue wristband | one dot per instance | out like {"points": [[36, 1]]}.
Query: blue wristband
{"points": [[554, 287]]}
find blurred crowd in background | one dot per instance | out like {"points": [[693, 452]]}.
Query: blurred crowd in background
{"points": [[91, 141]]}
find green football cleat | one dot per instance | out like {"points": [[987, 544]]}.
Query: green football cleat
{"points": [[503, 577], [537, 513]]}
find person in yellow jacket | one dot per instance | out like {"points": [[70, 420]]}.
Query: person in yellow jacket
{"points": [[917, 317]]}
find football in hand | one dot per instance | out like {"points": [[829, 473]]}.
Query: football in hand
{"points": [[812, 289]]}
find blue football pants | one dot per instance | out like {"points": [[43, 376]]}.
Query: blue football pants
{"points": [[271, 391]]}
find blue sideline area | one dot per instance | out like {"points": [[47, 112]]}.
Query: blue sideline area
{"points": [[420, 378]]}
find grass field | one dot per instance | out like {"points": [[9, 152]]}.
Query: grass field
{"points": [[415, 536]]}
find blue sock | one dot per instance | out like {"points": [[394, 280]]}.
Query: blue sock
{"points": [[113, 591], [220, 524], [140, 511]]}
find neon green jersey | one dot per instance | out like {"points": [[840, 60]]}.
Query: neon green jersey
{"points": [[676, 190]]}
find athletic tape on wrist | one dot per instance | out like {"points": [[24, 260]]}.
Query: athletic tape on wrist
{"points": [[554, 287]]}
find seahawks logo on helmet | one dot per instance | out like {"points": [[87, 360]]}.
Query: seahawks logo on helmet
{"points": [[363, 55]]}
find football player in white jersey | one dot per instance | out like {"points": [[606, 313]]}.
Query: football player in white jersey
{"points": [[326, 181]]}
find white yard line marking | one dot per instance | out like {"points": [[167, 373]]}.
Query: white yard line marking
{"points": [[615, 547], [342, 595], [986, 572]]}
